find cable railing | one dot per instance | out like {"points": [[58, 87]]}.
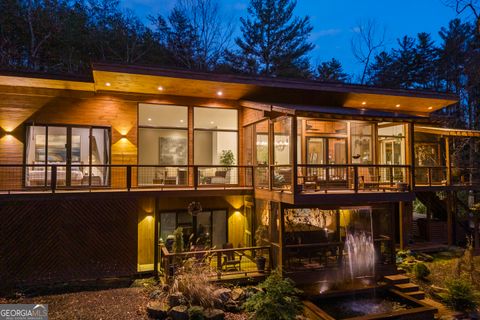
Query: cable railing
{"points": [[353, 177], [53, 177], [310, 178]]}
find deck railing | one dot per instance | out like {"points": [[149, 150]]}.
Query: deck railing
{"points": [[331, 255], [310, 178], [220, 263], [353, 177], [122, 177]]}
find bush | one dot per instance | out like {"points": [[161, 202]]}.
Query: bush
{"points": [[196, 313], [421, 270], [278, 299], [460, 295], [193, 281]]}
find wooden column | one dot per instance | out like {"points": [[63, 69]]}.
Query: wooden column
{"points": [[156, 218], [294, 156], [411, 153], [405, 215], [450, 217], [281, 232], [449, 168]]}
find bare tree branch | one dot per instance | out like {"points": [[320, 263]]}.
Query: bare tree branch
{"points": [[368, 39]]}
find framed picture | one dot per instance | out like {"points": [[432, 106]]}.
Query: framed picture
{"points": [[172, 151]]}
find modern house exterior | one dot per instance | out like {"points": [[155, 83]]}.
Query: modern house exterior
{"points": [[97, 174]]}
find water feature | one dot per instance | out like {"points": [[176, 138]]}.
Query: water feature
{"points": [[359, 245]]}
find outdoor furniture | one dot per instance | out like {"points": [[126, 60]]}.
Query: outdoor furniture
{"points": [[231, 261]]}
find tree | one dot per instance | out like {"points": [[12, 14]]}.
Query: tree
{"points": [[273, 41], [368, 39], [213, 30], [425, 62], [331, 71], [472, 6], [382, 71]]}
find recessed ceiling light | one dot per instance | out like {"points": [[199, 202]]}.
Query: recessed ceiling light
{"points": [[181, 120], [149, 119], [430, 108], [107, 84], [364, 103], [219, 93], [397, 106], [211, 122], [160, 88]]}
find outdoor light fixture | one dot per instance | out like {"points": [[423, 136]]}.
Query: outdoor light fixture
{"points": [[219, 93], [430, 108], [397, 106], [181, 120], [364, 103], [160, 88], [107, 84], [149, 119]]}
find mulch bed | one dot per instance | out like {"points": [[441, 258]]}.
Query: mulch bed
{"points": [[123, 303]]}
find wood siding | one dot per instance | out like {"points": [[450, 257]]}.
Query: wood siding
{"points": [[48, 241]]}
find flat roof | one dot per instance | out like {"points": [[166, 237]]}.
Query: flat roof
{"points": [[319, 95]]}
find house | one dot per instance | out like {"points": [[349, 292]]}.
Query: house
{"points": [[96, 174]]}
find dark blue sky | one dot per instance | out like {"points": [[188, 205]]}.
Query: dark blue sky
{"points": [[334, 20]]}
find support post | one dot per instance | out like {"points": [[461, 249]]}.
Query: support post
{"points": [[405, 223], [450, 214], [129, 178], [53, 179], [411, 154], [155, 241]]}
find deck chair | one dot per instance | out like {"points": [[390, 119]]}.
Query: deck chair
{"points": [[231, 261]]}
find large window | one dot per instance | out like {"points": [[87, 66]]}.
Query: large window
{"points": [[361, 142], [216, 144], [162, 141], [216, 134], [80, 154]]}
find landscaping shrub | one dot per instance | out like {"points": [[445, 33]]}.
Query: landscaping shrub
{"points": [[196, 313], [278, 299], [192, 280], [421, 270], [460, 295]]}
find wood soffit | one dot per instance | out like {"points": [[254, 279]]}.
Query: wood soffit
{"points": [[125, 80]]}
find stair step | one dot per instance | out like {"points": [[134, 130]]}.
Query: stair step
{"points": [[397, 279], [420, 295], [406, 287]]}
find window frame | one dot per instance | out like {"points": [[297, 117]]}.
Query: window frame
{"points": [[68, 148]]}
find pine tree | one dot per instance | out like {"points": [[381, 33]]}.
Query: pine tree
{"points": [[404, 57], [382, 72], [425, 63], [273, 42], [331, 71]]}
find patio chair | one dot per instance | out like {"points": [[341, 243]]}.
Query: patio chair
{"points": [[231, 261]]}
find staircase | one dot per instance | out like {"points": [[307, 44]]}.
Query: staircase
{"points": [[430, 200], [402, 283]]}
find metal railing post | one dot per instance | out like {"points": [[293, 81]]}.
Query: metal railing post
{"points": [[129, 177], [53, 178], [355, 178], [195, 177]]}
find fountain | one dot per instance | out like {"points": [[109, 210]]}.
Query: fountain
{"points": [[359, 245], [361, 298]]}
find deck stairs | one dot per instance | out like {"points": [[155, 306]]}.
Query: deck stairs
{"points": [[402, 283]]}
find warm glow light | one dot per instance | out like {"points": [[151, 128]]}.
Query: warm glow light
{"points": [[363, 109], [364, 103], [149, 119], [181, 120], [160, 88], [397, 106], [430, 108], [211, 122], [219, 93], [107, 84]]}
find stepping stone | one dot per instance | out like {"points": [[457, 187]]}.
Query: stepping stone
{"points": [[420, 295], [396, 279], [406, 287]]}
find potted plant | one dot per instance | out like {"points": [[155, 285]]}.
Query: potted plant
{"points": [[227, 159], [260, 236]]}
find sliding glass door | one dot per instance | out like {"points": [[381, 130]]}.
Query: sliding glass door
{"points": [[80, 155]]}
